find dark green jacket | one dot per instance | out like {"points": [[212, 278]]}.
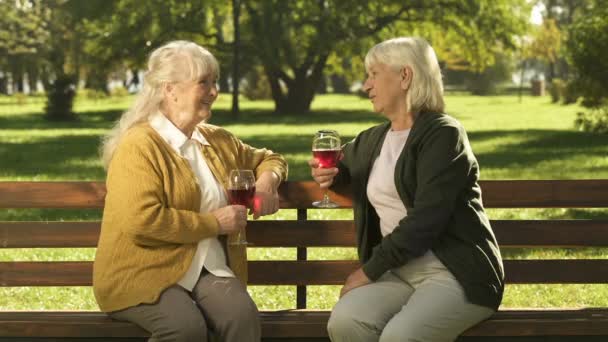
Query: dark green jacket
{"points": [[436, 178]]}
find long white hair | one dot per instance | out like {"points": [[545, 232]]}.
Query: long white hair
{"points": [[176, 61], [426, 90]]}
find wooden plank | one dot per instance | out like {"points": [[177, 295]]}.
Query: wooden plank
{"points": [[588, 271], [49, 234], [65, 324], [304, 324], [588, 193], [551, 233], [79, 273], [52, 194], [585, 322], [330, 233], [496, 194]]}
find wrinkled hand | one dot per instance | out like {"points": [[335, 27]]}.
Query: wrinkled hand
{"points": [[266, 198], [231, 218], [354, 280], [264, 203], [324, 177]]}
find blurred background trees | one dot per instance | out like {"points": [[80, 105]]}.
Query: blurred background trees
{"points": [[288, 51]]}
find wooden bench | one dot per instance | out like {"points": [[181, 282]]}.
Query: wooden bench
{"points": [[299, 323]]}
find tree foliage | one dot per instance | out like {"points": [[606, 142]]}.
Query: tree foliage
{"points": [[294, 39], [588, 53]]}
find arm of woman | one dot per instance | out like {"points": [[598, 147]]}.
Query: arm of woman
{"points": [[444, 167], [136, 204], [270, 169]]}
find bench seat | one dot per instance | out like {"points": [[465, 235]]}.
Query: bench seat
{"points": [[301, 324]]}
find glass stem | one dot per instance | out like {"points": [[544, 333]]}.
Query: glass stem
{"points": [[326, 197]]}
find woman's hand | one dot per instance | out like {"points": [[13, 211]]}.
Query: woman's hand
{"points": [[325, 177], [231, 218], [266, 199], [354, 280]]}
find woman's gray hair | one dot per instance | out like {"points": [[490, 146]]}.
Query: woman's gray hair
{"points": [[426, 89], [176, 61]]}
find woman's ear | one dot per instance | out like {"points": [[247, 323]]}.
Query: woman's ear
{"points": [[406, 77], [169, 91]]}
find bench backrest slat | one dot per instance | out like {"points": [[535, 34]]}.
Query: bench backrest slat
{"points": [[79, 273], [330, 233], [300, 195]]}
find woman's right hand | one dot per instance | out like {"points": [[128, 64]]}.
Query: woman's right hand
{"points": [[324, 177], [231, 218]]}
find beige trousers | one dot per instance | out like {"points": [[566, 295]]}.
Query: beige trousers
{"points": [[421, 301], [217, 307]]}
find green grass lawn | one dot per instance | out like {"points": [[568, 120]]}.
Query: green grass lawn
{"points": [[531, 139]]}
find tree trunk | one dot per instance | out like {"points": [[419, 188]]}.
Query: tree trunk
{"points": [[236, 13], [300, 90], [32, 77], [3, 84], [339, 84]]}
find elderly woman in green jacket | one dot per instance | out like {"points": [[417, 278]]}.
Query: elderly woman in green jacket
{"points": [[430, 264]]}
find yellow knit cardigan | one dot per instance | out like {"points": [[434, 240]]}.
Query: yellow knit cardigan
{"points": [[151, 222]]}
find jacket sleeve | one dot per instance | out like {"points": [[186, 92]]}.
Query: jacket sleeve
{"points": [[443, 166], [344, 165], [136, 203]]}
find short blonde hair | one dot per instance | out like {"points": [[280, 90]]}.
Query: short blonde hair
{"points": [[426, 89], [176, 61]]}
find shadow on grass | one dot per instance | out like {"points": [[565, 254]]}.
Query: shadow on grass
{"points": [[540, 146], [93, 119], [221, 117], [67, 157]]}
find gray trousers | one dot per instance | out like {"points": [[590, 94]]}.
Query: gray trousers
{"points": [[218, 307], [421, 301]]}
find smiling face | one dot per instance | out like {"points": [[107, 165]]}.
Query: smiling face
{"points": [[188, 103], [193, 99]]}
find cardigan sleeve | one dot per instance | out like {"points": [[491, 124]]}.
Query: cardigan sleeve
{"points": [[260, 159], [135, 202], [443, 167]]}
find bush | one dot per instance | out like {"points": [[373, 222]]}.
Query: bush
{"points": [[557, 89], [596, 120], [256, 85], [60, 99], [487, 81], [571, 93]]}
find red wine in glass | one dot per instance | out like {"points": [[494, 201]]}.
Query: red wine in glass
{"points": [[326, 150], [241, 190], [326, 158], [242, 196]]}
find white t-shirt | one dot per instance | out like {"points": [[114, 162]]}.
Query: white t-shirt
{"points": [[381, 189], [209, 252]]}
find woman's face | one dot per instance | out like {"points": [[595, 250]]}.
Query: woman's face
{"points": [[193, 99], [384, 86]]}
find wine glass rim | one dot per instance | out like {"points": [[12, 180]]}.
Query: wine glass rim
{"points": [[242, 170], [327, 131]]}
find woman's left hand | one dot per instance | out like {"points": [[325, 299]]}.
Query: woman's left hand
{"points": [[354, 280], [266, 199]]}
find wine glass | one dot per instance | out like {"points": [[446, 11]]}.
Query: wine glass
{"points": [[326, 150], [241, 190]]}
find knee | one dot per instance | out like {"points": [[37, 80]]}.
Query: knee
{"points": [[243, 317], [184, 331], [409, 333], [340, 323]]}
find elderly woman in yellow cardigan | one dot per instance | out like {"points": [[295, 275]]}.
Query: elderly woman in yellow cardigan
{"points": [[165, 260]]}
